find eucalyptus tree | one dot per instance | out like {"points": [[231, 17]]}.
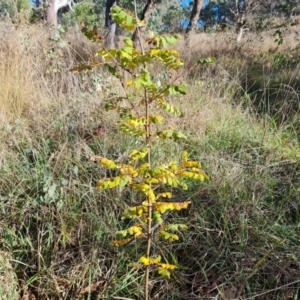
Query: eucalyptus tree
{"points": [[53, 7], [194, 18]]}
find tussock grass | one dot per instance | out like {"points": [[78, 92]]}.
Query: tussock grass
{"points": [[57, 228]]}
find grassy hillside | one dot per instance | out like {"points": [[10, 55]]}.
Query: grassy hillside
{"points": [[242, 117]]}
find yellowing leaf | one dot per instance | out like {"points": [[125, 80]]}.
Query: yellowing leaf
{"points": [[131, 129], [181, 205], [167, 266], [104, 161], [145, 261], [146, 189], [129, 82], [151, 180], [135, 230], [109, 183], [173, 166], [156, 119], [196, 174], [143, 169], [162, 207], [121, 242], [164, 195], [156, 260], [190, 164], [164, 269], [150, 261], [138, 154], [135, 211], [184, 156], [128, 170], [108, 163]]}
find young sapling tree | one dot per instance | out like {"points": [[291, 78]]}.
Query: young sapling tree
{"points": [[139, 119]]}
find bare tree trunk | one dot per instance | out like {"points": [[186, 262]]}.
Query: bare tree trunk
{"points": [[110, 24], [240, 33], [111, 36], [241, 10], [52, 9], [51, 12], [146, 14], [197, 5]]}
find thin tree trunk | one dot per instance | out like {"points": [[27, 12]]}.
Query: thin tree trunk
{"points": [[146, 14], [51, 12], [240, 35], [110, 24], [111, 36], [197, 5]]}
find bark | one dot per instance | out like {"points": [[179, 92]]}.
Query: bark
{"points": [[108, 6], [146, 14], [110, 24], [241, 27], [197, 5], [53, 8], [51, 12], [240, 11]]}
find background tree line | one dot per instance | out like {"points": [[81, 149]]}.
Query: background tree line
{"points": [[168, 16], [163, 16]]}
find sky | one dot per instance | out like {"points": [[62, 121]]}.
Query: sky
{"points": [[185, 3]]}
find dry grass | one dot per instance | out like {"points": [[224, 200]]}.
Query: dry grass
{"points": [[222, 44], [8, 278]]}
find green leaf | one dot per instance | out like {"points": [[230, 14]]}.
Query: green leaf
{"points": [[112, 70], [157, 217], [124, 18], [109, 106], [171, 237], [125, 180], [181, 89], [163, 272], [81, 68], [179, 135], [138, 154], [175, 227], [128, 42], [172, 39], [208, 60], [91, 34]]}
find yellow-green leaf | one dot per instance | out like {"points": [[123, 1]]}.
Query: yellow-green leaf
{"points": [[171, 237], [163, 272], [135, 211], [157, 217], [146, 189], [108, 183], [138, 154], [164, 195], [175, 227]]}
